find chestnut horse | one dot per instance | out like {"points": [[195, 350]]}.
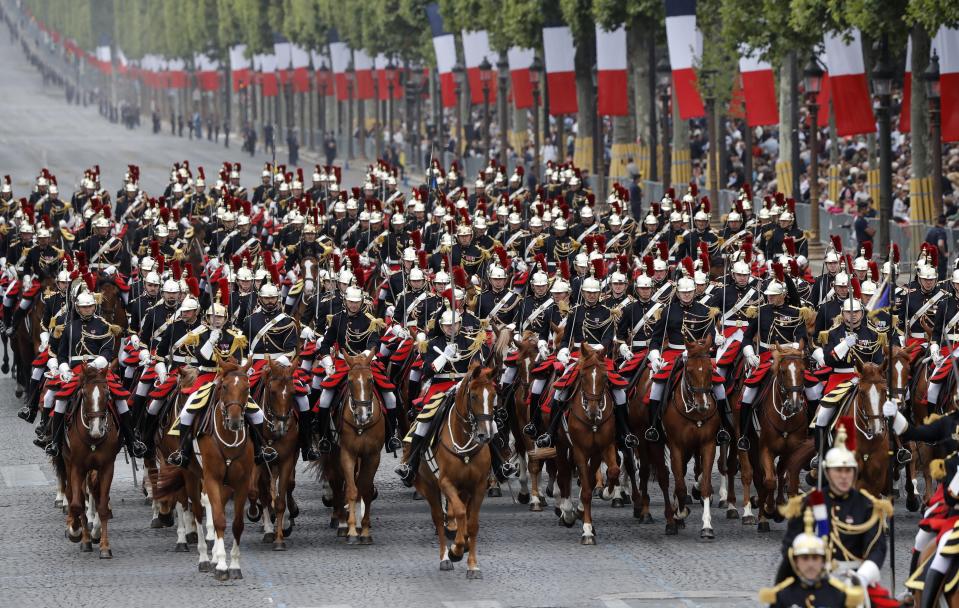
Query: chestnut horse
{"points": [[517, 402], [691, 421], [275, 480], [922, 454], [783, 426], [872, 430], [85, 464], [463, 462], [589, 439]]}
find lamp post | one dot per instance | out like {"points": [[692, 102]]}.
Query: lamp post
{"points": [[390, 87], [664, 79], [535, 74], [653, 127], [598, 148], [882, 87], [459, 76], [502, 68], [378, 118], [486, 77], [414, 89], [708, 76], [931, 79], [812, 80], [350, 81]]}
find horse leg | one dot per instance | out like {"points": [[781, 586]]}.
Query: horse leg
{"points": [[91, 513], [199, 503], [239, 498], [76, 509], [678, 466], [432, 496], [217, 501], [456, 509], [183, 500], [706, 489], [181, 517], [365, 481], [280, 503], [524, 493], [104, 481], [536, 500], [768, 487], [564, 482], [587, 468], [472, 512], [348, 468], [208, 518]]}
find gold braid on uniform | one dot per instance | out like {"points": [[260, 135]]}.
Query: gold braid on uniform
{"points": [[881, 509], [277, 329], [781, 324], [695, 326], [593, 330]]}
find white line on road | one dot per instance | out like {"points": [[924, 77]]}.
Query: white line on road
{"points": [[24, 475]]}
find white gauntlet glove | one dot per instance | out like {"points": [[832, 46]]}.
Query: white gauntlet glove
{"points": [[819, 357], [160, 369], [543, 349], [563, 356], [134, 341], [720, 339], [934, 352], [752, 359], [307, 333], [52, 364], [655, 361], [449, 351], [66, 374], [99, 363], [625, 352], [328, 366]]}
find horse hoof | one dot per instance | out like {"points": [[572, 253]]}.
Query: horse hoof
{"points": [[707, 534], [417, 495], [732, 513], [446, 565], [672, 529], [616, 503], [333, 523], [235, 574], [681, 523], [523, 498], [536, 507], [598, 493], [5, 369], [587, 540], [494, 492], [18, 393], [147, 501], [549, 491], [450, 534], [749, 520], [754, 502], [778, 517], [376, 494], [156, 523], [763, 526], [912, 503], [722, 504], [453, 557], [682, 514], [342, 532], [279, 546], [269, 537], [192, 538], [106, 554], [474, 575], [221, 575], [557, 511], [209, 545], [695, 494], [352, 540], [167, 520], [563, 521], [96, 540], [295, 511], [58, 504], [366, 540], [895, 492], [254, 514], [204, 566], [181, 548], [327, 502], [646, 520], [86, 547]]}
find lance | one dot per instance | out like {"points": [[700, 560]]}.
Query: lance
{"points": [[892, 435]]}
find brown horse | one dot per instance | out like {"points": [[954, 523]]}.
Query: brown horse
{"points": [[275, 480], [517, 403], [86, 462], [922, 454], [588, 441], [691, 421], [872, 430], [110, 300], [463, 462], [917, 381], [783, 426], [951, 599]]}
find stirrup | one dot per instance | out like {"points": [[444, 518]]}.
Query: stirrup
{"points": [[266, 455], [507, 469], [743, 444], [52, 449], [27, 413], [651, 434], [405, 473], [310, 454], [393, 444], [631, 441], [814, 462], [177, 459], [41, 441], [723, 436], [137, 448], [544, 441], [903, 456], [325, 445], [530, 430]]}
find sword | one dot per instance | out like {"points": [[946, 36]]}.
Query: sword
{"points": [[892, 435]]}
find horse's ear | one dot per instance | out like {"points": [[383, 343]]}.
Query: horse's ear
{"points": [[802, 344], [709, 341], [587, 349]]}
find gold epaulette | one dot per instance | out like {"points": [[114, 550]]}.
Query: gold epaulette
{"points": [[188, 233], [115, 330], [807, 314], [751, 312], [576, 244], [768, 235], [680, 239], [430, 325], [714, 312], [793, 507], [422, 346], [329, 319], [540, 242], [807, 234], [56, 330], [721, 241], [882, 505], [767, 595], [616, 313], [67, 206], [937, 469], [178, 255], [823, 338], [47, 293], [931, 418], [4, 228], [375, 322], [192, 339]]}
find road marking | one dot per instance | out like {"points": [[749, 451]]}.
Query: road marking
{"points": [[615, 603], [615, 600], [24, 475], [473, 604]]}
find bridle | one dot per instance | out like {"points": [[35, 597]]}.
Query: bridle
{"points": [[783, 390], [593, 404], [86, 419], [470, 422], [357, 405], [692, 403], [863, 419], [223, 407], [272, 418]]}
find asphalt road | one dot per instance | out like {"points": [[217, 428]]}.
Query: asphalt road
{"points": [[526, 558]]}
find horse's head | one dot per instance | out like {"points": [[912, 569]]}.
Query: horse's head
{"points": [[479, 398], [698, 375], [526, 353], [870, 396], [310, 268], [901, 364], [790, 366], [234, 394], [278, 396], [592, 381], [359, 381], [95, 394], [111, 301]]}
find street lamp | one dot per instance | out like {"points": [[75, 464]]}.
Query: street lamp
{"points": [[708, 76], [415, 87], [535, 74], [378, 118], [812, 80], [350, 81], [486, 77], [502, 68], [882, 75], [459, 78], [933, 93], [664, 80]]}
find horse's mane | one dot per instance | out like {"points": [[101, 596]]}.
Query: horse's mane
{"points": [[92, 374], [872, 373]]}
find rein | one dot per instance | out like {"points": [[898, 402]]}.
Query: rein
{"points": [[353, 402], [587, 399], [222, 407], [86, 419], [468, 422], [688, 392]]}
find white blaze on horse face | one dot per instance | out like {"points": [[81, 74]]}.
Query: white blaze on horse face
{"points": [[96, 428], [900, 374], [875, 409]]}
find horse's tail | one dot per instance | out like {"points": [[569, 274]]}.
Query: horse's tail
{"points": [[170, 480], [60, 467]]}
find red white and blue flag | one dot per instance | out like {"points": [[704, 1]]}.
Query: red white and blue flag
{"points": [[560, 54], [475, 49], [759, 89], [612, 78], [520, 59], [851, 103], [685, 44], [444, 44]]}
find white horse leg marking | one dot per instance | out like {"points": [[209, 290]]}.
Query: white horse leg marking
{"points": [[707, 516], [587, 529], [724, 488], [180, 524], [219, 554], [235, 555], [268, 526], [747, 508], [208, 509], [201, 550], [60, 499]]}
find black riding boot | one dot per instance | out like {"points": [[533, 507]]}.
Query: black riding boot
{"points": [[56, 434], [655, 414], [392, 442], [625, 436], [818, 438], [262, 454], [305, 431], [136, 447], [323, 430], [913, 562], [182, 457], [8, 320], [535, 415], [546, 439], [29, 411], [930, 590], [502, 468], [745, 423], [407, 468], [726, 415], [18, 315], [147, 431]]}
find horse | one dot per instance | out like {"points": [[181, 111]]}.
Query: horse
{"points": [[588, 441], [110, 300], [872, 430], [517, 403], [463, 464], [691, 422], [85, 464], [275, 479], [227, 456], [899, 389], [782, 415], [916, 397], [951, 600]]}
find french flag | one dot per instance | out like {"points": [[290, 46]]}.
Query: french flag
{"points": [[611, 76], [103, 59], [851, 103], [444, 44], [685, 44], [176, 73], [946, 44], [759, 88], [208, 75], [823, 99], [475, 49], [240, 67], [283, 52], [363, 65], [383, 78], [560, 53], [340, 59], [301, 68], [265, 64], [519, 61]]}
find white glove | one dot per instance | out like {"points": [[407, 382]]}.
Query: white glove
{"points": [[364, 260], [851, 340], [954, 354], [420, 337], [161, 372], [283, 360], [625, 352], [511, 327], [390, 310], [44, 341], [307, 333], [99, 363], [889, 408], [521, 266], [543, 349], [720, 339], [214, 335], [144, 356], [518, 339], [328, 366], [66, 374], [27, 282], [110, 271], [752, 359], [134, 341], [819, 357], [400, 333], [563, 356], [934, 351], [841, 349], [52, 364], [449, 351], [868, 573]]}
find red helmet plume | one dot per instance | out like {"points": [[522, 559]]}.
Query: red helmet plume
{"points": [[459, 277], [599, 268], [847, 423], [867, 250], [779, 272], [194, 286], [648, 263], [541, 260], [417, 239], [663, 251], [224, 286], [895, 253], [874, 271], [502, 256], [564, 269], [688, 267], [177, 270], [790, 244], [856, 287]]}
